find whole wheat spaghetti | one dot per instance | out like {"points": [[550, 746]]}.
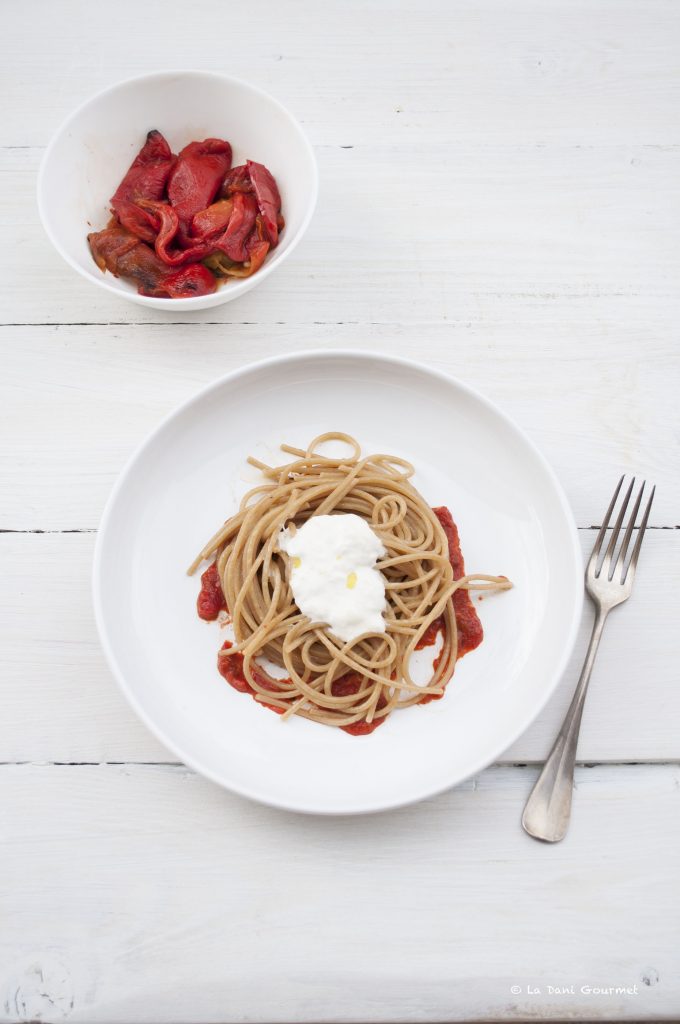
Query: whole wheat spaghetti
{"points": [[356, 684]]}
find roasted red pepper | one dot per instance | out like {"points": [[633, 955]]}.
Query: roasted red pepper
{"points": [[185, 283], [121, 253], [257, 251], [224, 267], [268, 198], [241, 224], [196, 178], [257, 247], [238, 180], [232, 241], [146, 179], [168, 228], [212, 220], [255, 178], [169, 202]]}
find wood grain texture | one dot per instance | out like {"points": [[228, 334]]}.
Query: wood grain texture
{"points": [[86, 396], [147, 894], [500, 198], [60, 702], [576, 72]]}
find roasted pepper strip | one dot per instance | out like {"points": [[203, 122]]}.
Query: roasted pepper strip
{"points": [[237, 180], [168, 230], [212, 220], [121, 253], [196, 179], [268, 198], [233, 240], [257, 251], [146, 179], [185, 283]]}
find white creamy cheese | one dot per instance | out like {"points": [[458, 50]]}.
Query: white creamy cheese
{"points": [[333, 574]]}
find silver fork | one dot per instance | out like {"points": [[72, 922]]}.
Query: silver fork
{"points": [[608, 583]]}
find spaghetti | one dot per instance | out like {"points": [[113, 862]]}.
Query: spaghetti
{"points": [[355, 684]]}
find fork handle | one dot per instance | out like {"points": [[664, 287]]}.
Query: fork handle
{"points": [[547, 811]]}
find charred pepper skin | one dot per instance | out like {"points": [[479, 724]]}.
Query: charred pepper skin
{"points": [[180, 222], [146, 178], [124, 255]]}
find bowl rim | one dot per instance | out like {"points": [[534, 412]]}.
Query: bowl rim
{"points": [[324, 356], [223, 294]]}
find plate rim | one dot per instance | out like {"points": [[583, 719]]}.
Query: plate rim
{"points": [[321, 355]]}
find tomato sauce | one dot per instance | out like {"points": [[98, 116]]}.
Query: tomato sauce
{"points": [[429, 637], [470, 632], [210, 601], [427, 697], [230, 667], [351, 683]]}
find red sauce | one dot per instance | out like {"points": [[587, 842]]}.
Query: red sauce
{"points": [[230, 668], [351, 684], [363, 728], [429, 637], [427, 697], [211, 600], [470, 632]]}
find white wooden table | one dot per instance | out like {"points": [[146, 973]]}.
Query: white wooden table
{"points": [[499, 197]]}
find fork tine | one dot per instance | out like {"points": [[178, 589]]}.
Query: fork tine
{"points": [[606, 561], [592, 561], [632, 565], [621, 557], [613, 540]]}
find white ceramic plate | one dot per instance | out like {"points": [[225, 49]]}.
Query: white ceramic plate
{"points": [[186, 479]]}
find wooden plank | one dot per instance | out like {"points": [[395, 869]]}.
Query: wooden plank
{"points": [[75, 401], [146, 894], [507, 211], [60, 702], [548, 72], [523, 235]]}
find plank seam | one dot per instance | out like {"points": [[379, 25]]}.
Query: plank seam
{"points": [[664, 763], [94, 529]]}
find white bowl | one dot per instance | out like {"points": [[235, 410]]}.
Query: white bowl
{"points": [[92, 150]]}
